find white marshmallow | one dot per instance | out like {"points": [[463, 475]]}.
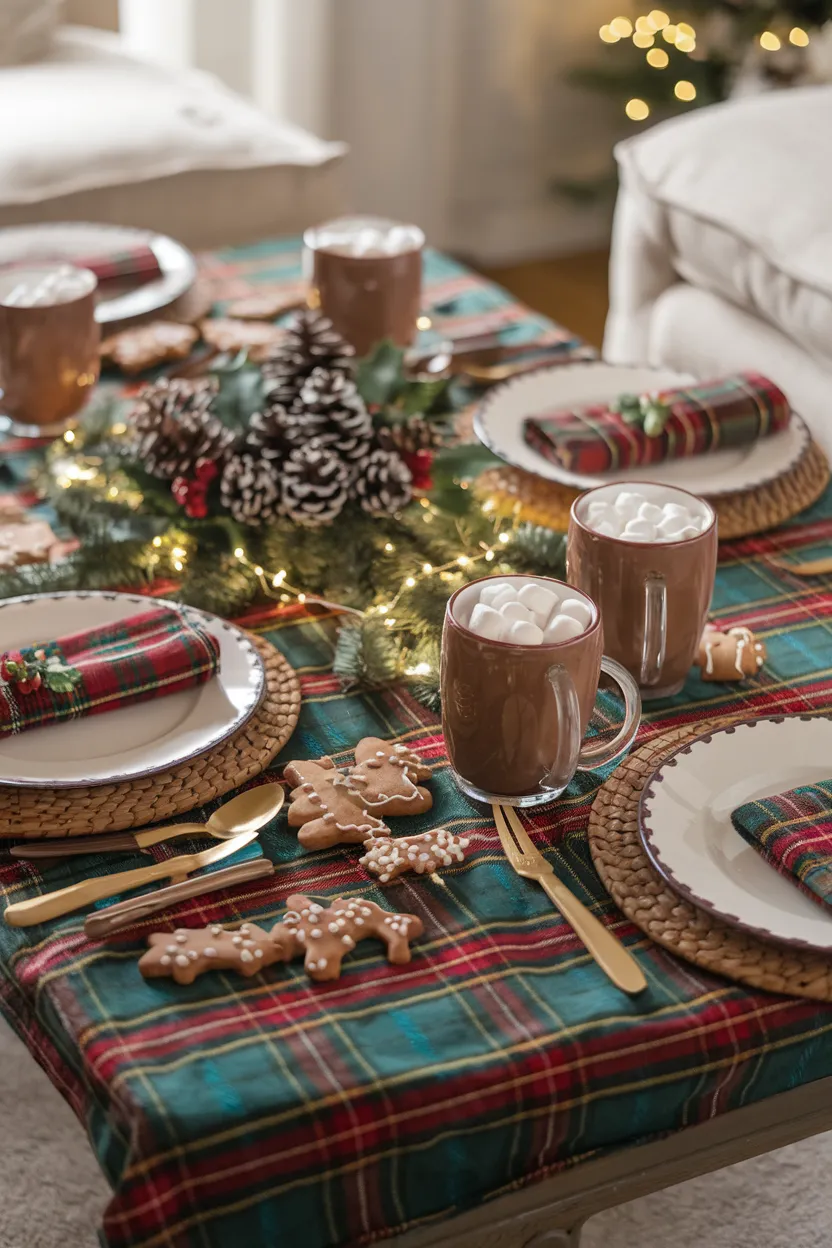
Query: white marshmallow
{"points": [[640, 531], [607, 529], [491, 589], [675, 509], [524, 633], [516, 611], [507, 594], [598, 511], [690, 531], [486, 622], [650, 512], [562, 628], [541, 602], [628, 502], [670, 526], [577, 609]]}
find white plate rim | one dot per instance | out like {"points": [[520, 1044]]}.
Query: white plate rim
{"points": [[178, 267], [583, 481], [243, 715], [667, 874]]}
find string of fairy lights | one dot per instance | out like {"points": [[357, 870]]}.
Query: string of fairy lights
{"points": [[653, 29]]}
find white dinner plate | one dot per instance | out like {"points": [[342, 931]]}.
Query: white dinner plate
{"points": [[499, 425], [685, 824], [70, 240], [137, 740]]}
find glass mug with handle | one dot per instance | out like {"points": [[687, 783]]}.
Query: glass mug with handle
{"points": [[515, 713], [654, 594]]}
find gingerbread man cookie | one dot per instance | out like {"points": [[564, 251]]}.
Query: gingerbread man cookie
{"points": [[388, 857], [385, 777], [322, 934], [325, 809], [134, 350], [730, 656]]}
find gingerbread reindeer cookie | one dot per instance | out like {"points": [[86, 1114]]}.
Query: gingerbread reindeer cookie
{"points": [[388, 857], [327, 811], [385, 778], [730, 656], [322, 934]]}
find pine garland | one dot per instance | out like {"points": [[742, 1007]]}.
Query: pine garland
{"points": [[366, 654]]}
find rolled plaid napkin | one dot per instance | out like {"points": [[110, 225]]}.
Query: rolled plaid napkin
{"points": [[793, 831], [139, 263], [144, 656], [730, 411]]}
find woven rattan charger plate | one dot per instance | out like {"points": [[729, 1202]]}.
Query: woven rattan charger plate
{"points": [[36, 813], [646, 899], [521, 494]]}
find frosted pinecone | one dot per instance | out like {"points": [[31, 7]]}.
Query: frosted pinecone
{"points": [[315, 485], [310, 342], [274, 431], [249, 488], [384, 482], [173, 427], [333, 399]]}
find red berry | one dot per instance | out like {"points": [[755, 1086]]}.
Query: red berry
{"points": [[197, 508], [30, 686], [205, 471], [13, 656]]}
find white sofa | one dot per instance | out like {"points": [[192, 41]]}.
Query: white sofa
{"points": [[722, 246], [93, 133]]}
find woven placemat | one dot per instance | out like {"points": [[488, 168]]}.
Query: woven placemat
{"points": [[35, 813], [522, 494], [640, 892]]}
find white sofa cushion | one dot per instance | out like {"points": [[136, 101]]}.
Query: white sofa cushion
{"points": [[742, 191], [95, 132]]}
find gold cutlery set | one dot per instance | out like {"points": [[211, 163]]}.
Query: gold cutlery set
{"points": [[236, 824]]}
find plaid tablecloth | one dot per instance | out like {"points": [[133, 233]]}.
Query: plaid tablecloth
{"points": [[278, 1112]]}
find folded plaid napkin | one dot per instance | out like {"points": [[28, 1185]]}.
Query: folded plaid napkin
{"points": [[730, 411], [139, 263], [148, 655], [793, 831]]}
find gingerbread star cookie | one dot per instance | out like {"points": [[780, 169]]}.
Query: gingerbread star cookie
{"points": [[385, 778], [730, 656], [322, 934], [134, 350], [388, 857], [325, 809], [258, 338]]}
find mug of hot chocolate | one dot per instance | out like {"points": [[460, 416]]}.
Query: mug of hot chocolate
{"points": [[49, 341], [522, 659], [365, 275], [647, 555]]}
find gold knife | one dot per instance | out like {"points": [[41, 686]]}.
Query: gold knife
{"points": [[77, 896]]}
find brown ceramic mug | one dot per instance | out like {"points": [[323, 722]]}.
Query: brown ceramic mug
{"points": [[515, 716], [49, 341], [653, 596], [365, 275]]}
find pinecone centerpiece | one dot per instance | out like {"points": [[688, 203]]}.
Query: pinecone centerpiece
{"points": [[310, 342], [173, 428], [315, 485]]}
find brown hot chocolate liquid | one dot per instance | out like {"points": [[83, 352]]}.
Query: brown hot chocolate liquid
{"points": [[499, 713]]}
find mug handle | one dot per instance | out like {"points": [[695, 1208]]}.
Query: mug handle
{"points": [[571, 756], [654, 645]]}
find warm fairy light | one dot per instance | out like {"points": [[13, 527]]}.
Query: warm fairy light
{"points": [[279, 578], [488, 505], [119, 428], [258, 571], [157, 542], [424, 322], [177, 552], [239, 553], [410, 582], [390, 623], [504, 538], [684, 28], [178, 564], [389, 547], [621, 26], [685, 43], [113, 491], [64, 483], [669, 33], [644, 40], [658, 58], [769, 41], [383, 610], [684, 90], [644, 26], [463, 561], [69, 436], [421, 669], [636, 110], [301, 597], [608, 34], [427, 568], [489, 555], [798, 37], [658, 18]]}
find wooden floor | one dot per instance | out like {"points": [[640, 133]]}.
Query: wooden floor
{"points": [[571, 289]]}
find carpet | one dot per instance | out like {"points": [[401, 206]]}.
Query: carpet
{"points": [[52, 1193]]}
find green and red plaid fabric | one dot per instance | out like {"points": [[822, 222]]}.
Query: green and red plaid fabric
{"points": [[139, 263], [793, 831], [148, 655], [275, 1111], [710, 416]]}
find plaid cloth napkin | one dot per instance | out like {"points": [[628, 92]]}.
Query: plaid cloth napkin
{"points": [[139, 263], [730, 411], [793, 831], [145, 656]]}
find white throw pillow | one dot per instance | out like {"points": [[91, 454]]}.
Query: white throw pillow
{"points": [[26, 29]]}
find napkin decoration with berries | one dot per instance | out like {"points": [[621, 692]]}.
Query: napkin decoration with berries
{"points": [[149, 655], [793, 832], [637, 430]]}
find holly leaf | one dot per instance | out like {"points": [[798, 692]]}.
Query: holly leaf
{"points": [[380, 375], [240, 393], [63, 681], [419, 397]]}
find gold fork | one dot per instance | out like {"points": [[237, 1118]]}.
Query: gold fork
{"points": [[608, 952]]}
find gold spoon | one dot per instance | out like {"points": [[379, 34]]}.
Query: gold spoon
{"points": [[247, 812]]}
